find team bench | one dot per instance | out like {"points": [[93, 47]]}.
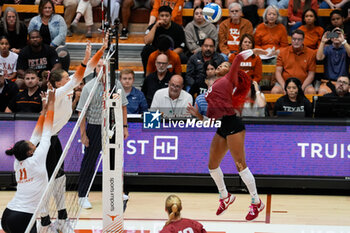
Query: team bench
{"points": [[283, 12], [21, 8]]}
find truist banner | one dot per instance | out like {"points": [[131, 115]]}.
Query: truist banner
{"points": [[293, 150]]}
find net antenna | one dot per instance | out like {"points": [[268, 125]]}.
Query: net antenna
{"points": [[75, 208]]}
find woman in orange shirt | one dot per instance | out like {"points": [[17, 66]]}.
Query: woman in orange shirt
{"points": [[271, 34], [313, 32], [296, 9], [252, 66]]}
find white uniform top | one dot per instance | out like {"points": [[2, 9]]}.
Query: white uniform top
{"points": [[31, 176], [63, 104]]}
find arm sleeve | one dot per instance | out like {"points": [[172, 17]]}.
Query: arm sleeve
{"points": [[60, 39], [151, 63], [155, 8], [22, 61], [190, 72], [177, 65], [143, 103], [177, 11], [31, 25], [36, 135], [53, 56], [223, 34], [190, 37], [278, 106], [284, 37], [45, 141], [155, 104], [233, 74], [91, 65]]}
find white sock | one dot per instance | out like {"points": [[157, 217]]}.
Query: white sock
{"points": [[249, 181], [218, 178], [60, 191]]}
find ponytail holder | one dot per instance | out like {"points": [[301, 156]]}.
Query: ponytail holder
{"points": [[83, 65]]}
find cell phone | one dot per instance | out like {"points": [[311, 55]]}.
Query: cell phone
{"points": [[331, 35]]}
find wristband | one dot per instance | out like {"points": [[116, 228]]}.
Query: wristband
{"points": [[125, 126], [258, 92], [83, 65], [344, 42]]}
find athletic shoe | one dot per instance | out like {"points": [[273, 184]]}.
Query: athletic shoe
{"points": [[254, 210], [84, 203], [225, 203], [124, 35]]}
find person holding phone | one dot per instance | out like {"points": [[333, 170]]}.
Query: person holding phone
{"points": [[335, 56]]}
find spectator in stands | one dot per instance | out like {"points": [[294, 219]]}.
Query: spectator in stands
{"points": [[113, 10], [36, 56], [313, 32], [255, 104], [194, 73], [164, 44], [14, 30], [137, 101], [280, 4], [172, 101], [175, 223], [342, 87], [157, 80], [295, 61], [231, 29], [197, 30], [8, 91], [70, 7], [294, 100], [165, 26], [85, 9], [336, 57], [28, 100], [271, 35], [337, 20], [53, 30], [296, 9], [8, 60], [127, 5], [51, 26], [252, 65], [176, 7]]}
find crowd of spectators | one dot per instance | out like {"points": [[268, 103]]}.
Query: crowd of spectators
{"points": [[206, 48]]}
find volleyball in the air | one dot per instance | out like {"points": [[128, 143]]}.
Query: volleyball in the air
{"points": [[212, 12]]}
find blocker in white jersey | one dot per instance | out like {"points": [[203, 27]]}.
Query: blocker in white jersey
{"points": [[31, 175], [64, 85]]}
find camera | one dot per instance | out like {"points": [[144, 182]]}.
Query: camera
{"points": [[331, 35]]}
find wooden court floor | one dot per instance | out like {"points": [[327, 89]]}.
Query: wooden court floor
{"points": [[280, 209]]}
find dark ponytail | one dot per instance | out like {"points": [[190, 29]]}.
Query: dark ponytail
{"points": [[19, 150]]}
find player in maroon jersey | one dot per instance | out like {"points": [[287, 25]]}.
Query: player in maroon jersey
{"points": [[225, 97], [177, 224]]}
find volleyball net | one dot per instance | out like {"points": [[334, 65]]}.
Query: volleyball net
{"points": [[64, 207]]}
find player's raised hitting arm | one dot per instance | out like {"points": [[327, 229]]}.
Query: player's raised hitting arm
{"points": [[233, 74]]}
